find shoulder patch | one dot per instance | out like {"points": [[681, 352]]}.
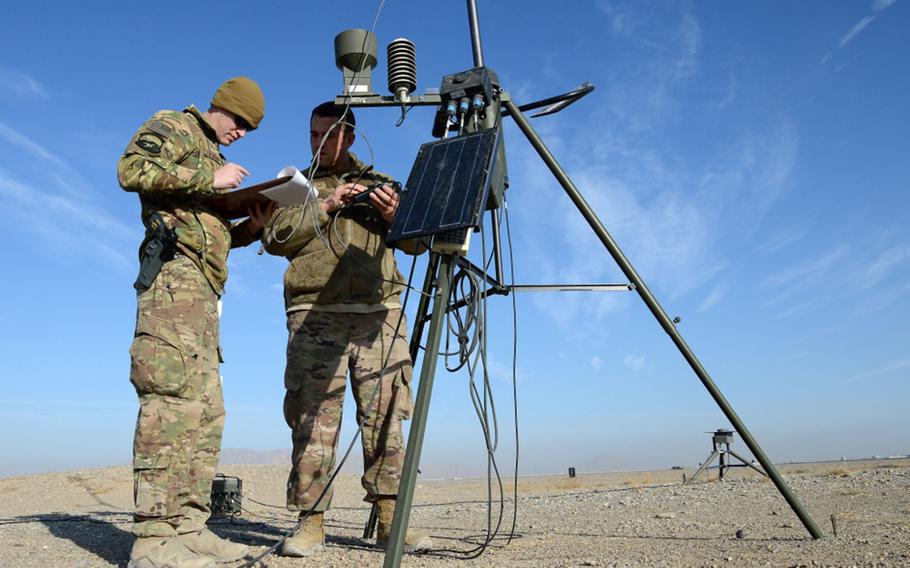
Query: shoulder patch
{"points": [[151, 143], [158, 127]]}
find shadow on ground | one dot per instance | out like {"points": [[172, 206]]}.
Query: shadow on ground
{"points": [[95, 532]]}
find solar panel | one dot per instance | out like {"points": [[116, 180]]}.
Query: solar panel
{"points": [[448, 186]]}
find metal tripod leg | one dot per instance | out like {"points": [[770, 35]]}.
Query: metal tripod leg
{"points": [[750, 464], [370, 527], [419, 417], [416, 335], [703, 466], [659, 313]]}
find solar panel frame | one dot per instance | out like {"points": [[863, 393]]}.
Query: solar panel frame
{"points": [[448, 186]]}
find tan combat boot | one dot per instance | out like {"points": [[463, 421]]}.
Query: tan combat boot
{"points": [[414, 541], [307, 540], [207, 543], [161, 552]]}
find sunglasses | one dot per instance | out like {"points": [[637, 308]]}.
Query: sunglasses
{"points": [[242, 123]]}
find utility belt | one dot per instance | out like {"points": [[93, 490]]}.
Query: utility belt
{"points": [[160, 248]]}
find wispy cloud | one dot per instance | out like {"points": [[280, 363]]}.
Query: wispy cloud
{"points": [[742, 180], [49, 200], [883, 297], [672, 216], [635, 362], [837, 275], [884, 264], [806, 306], [642, 92], [596, 362], [889, 368], [880, 5], [17, 139], [809, 270], [60, 173], [502, 372], [21, 85], [782, 240], [63, 223], [855, 30], [877, 7], [812, 277], [716, 295]]}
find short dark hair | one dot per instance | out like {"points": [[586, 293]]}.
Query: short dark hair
{"points": [[329, 109]]}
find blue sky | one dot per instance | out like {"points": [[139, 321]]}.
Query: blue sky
{"points": [[752, 161]]}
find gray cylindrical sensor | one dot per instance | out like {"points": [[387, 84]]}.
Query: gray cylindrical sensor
{"points": [[355, 55], [402, 68], [355, 50]]}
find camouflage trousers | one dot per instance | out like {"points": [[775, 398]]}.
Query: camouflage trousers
{"points": [[323, 348], [174, 369]]}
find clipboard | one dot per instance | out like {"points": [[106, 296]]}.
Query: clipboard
{"points": [[290, 187], [234, 204]]}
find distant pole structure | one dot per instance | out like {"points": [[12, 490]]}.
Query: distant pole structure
{"points": [[720, 442]]}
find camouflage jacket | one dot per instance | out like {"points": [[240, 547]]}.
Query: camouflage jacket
{"points": [[171, 163], [352, 269]]}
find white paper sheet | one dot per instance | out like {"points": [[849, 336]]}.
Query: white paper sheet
{"points": [[295, 190]]}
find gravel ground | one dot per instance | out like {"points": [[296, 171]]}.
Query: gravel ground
{"points": [[82, 518]]}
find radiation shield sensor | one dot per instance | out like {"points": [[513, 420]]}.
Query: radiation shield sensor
{"points": [[447, 188]]}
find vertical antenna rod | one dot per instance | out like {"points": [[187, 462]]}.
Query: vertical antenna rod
{"points": [[477, 48], [475, 33]]}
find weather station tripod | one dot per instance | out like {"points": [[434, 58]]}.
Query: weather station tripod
{"points": [[720, 442], [472, 104]]}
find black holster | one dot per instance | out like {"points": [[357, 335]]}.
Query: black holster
{"points": [[160, 246]]}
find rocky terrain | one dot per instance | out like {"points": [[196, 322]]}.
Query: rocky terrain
{"points": [[82, 518]]}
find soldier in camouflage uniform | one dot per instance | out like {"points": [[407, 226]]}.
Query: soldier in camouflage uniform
{"points": [[342, 296], [174, 163]]}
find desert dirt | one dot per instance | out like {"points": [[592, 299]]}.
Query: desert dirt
{"points": [[82, 518]]}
